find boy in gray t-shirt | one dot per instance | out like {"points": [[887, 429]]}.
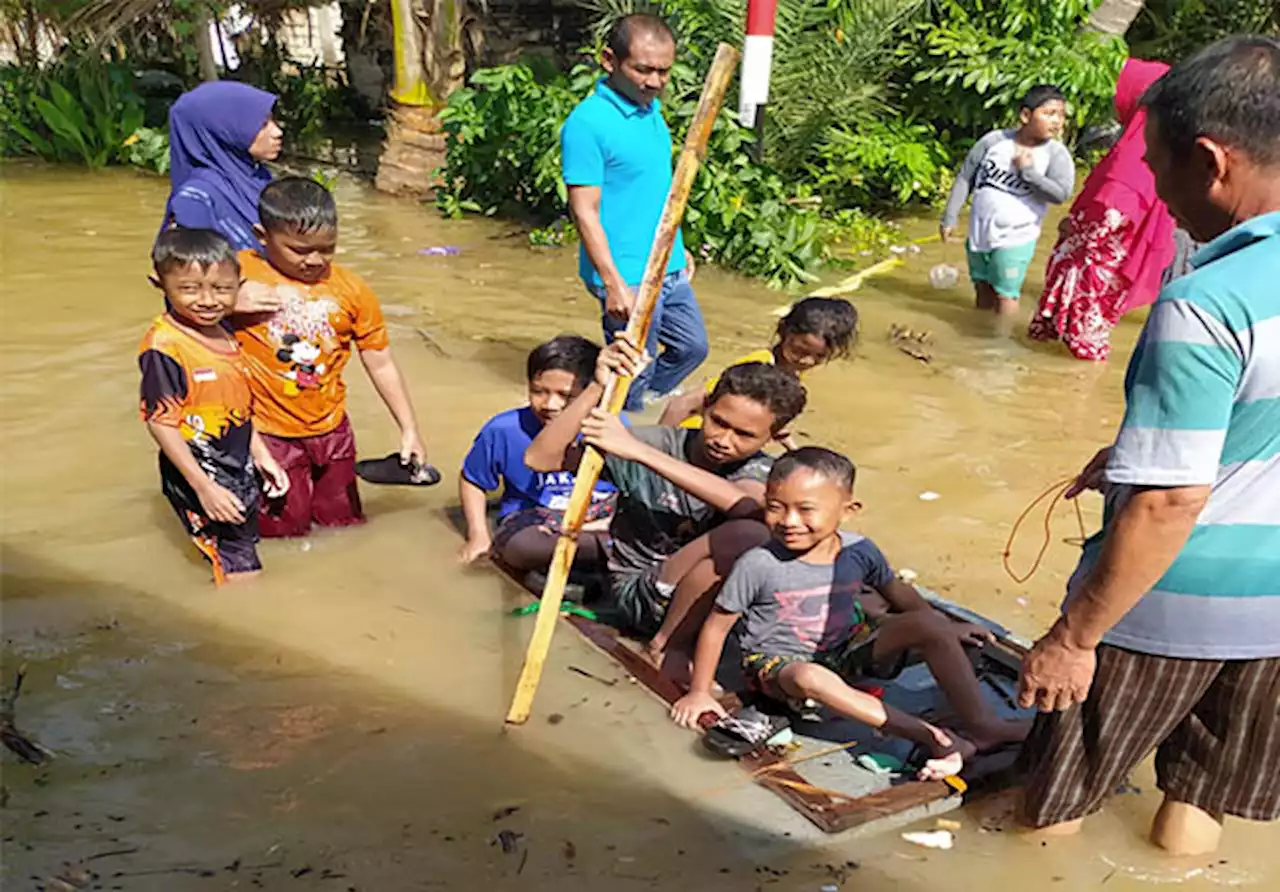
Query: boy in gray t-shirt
{"points": [[810, 627], [1013, 175]]}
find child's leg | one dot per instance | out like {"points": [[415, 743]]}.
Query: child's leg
{"points": [[1007, 271], [230, 548], [802, 680], [526, 540], [696, 572], [290, 515], [980, 275], [237, 547], [934, 636], [335, 500]]}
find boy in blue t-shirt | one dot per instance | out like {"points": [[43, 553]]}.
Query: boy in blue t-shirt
{"points": [[533, 503]]}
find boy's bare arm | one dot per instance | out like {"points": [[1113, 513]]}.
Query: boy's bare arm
{"points": [[479, 540], [607, 433], [220, 503], [556, 446], [387, 380], [902, 596], [706, 659], [680, 407]]}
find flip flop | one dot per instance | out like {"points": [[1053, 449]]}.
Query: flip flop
{"points": [[739, 735], [392, 471]]}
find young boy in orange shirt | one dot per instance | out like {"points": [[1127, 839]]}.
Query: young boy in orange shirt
{"points": [[197, 405], [296, 355]]}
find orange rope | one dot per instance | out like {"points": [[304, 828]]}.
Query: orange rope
{"points": [[1057, 490]]}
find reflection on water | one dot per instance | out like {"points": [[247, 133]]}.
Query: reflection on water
{"points": [[343, 713]]}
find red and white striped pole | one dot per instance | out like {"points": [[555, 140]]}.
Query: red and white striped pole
{"points": [[757, 59]]}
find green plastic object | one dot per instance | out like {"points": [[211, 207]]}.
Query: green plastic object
{"points": [[880, 763], [566, 608]]}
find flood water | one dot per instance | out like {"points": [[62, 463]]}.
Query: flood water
{"points": [[337, 724]]}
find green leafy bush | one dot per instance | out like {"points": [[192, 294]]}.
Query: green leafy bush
{"points": [[1170, 30], [973, 62], [885, 162], [80, 110], [502, 137], [147, 148]]}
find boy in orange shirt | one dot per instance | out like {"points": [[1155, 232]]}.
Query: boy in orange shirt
{"points": [[296, 355], [197, 405]]}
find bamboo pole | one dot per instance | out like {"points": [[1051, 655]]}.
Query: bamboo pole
{"points": [[615, 391]]}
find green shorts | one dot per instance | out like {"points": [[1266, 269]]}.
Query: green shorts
{"points": [[1003, 269]]}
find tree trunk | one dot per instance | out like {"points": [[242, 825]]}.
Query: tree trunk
{"points": [[33, 38], [429, 65], [204, 49], [1114, 16]]}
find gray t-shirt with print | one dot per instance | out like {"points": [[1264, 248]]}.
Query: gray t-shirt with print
{"points": [[793, 608], [655, 518]]}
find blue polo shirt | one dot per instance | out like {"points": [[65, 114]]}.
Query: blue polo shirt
{"points": [[625, 149], [1203, 408]]}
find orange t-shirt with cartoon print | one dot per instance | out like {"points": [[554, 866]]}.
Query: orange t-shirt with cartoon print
{"points": [[296, 355], [204, 393]]}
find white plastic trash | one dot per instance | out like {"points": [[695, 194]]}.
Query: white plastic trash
{"points": [[931, 839], [943, 276]]}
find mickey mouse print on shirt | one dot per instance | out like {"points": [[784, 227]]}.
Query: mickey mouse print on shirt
{"points": [[297, 354]]}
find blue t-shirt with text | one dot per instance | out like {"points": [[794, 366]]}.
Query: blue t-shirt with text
{"points": [[496, 460]]}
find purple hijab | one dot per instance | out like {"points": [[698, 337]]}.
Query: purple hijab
{"points": [[214, 182]]}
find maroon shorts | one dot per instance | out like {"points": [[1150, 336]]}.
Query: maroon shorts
{"points": [[322, 483]]}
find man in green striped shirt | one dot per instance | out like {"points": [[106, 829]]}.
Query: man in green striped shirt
{"points": [[1169, 638]]}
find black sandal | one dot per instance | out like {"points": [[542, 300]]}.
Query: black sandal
{"points": [[739, 735], [392, 471]]}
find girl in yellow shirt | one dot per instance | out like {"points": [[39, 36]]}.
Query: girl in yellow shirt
{"points": [[815, 331]]}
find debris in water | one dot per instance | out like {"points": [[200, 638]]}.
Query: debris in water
{"points": [[585, 674], [505, 812], [19, 744], [440, 251], [569, 850], [908, 575], [931, 839], [929, 496], [509, 840], [944, 276], [555, 718], [829, 887], [945, 824]]}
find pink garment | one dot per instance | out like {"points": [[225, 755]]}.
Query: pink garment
{"points": [[1123, 182]]}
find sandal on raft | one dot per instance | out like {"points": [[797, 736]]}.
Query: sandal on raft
{"points": [[391, 470], [739, 735]]}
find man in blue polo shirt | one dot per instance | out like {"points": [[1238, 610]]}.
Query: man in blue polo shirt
{"points": [[616, 162], [1169, 639]]}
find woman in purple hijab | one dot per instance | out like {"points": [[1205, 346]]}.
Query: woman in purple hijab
{"points": [[219, 135]]}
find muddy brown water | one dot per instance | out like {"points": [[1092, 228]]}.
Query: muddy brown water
{"points": [[337, 724]]}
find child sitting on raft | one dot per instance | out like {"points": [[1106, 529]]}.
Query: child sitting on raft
{"points": [[689, 501], [532, 507], [296, 356], [810, 630], [814, 332]]}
